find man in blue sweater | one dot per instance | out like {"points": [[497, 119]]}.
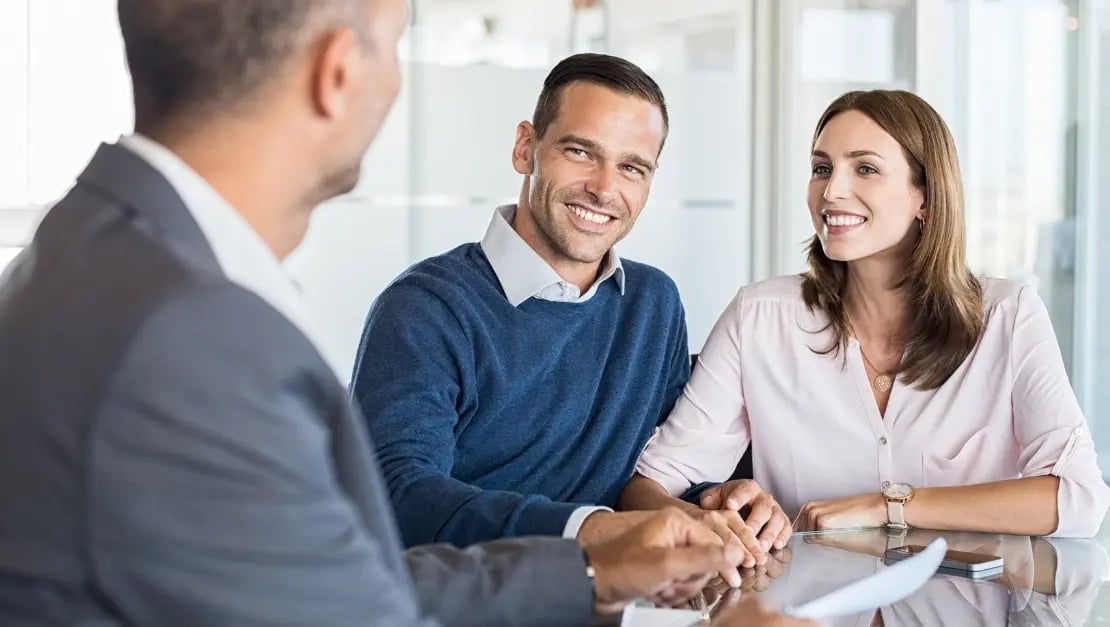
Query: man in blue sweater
{"points": [[510, 385]]}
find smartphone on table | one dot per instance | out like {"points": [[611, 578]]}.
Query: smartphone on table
{"points": [[962, 563]]}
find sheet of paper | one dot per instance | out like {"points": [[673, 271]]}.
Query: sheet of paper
{"points": [[885, 587], [637, 616], [890, 585]]}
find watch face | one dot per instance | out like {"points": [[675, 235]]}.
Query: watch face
{"points": [[898, 490]]}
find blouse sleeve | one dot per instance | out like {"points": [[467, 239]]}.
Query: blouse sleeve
{"points": [[707, 432], [1052, 434]]}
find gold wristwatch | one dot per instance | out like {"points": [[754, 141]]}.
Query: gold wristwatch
{"points": [[897, 495]]}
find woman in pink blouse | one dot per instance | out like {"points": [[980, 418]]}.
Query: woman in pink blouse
{"points": [[887, 385]]}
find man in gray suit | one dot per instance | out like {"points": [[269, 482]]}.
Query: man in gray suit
{"points": [[173, 449]]}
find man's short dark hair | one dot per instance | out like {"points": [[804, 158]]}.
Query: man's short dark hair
{"points": [[194, 57], [605, 70]]}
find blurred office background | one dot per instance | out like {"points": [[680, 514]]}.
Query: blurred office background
{"points": [[1024, 84]]}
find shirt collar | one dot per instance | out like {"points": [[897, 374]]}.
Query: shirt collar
{"points": [[243, 256], [522, 272]]}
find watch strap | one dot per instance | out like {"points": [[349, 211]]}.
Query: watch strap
{"points": [[896, 513]]}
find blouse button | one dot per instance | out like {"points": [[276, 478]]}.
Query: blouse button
{"points": [[882, 440]]}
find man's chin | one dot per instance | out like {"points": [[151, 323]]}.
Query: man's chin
{"points": [[586, 257], [342, 182]]}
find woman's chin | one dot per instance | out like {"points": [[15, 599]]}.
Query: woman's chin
{"points": [[840, 252]]}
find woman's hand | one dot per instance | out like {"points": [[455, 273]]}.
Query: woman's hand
{"points": [[765, 517], [864, 510]]}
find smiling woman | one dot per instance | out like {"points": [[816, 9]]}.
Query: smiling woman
{"points": [[939, 398], [896, 165]]}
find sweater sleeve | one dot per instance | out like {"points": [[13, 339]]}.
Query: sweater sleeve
{"points": [[679, 362], [412, 366]]}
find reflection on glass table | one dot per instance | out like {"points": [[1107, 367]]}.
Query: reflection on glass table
{"points": [[1044, 581]]}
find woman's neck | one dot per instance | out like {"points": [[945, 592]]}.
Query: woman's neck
{"points": [[875, 306]]}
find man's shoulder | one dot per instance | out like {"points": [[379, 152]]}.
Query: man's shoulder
{"points": [[91, 283], [649, 279], [218, 340], [462, 272], [86, 281], [221, 308]]}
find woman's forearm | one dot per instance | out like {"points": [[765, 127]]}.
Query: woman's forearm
{"points": [[1024, 506], [642, 493]]}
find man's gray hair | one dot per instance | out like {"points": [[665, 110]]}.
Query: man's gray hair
{"points": [[193, 58]]}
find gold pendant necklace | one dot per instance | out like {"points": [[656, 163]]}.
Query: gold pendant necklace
{"points": [[883, 380]]}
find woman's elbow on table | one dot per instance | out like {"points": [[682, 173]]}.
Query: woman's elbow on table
{"points": [[1081, 507]]}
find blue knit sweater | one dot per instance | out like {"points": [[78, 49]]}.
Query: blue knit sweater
{"points": [[491, 420]]}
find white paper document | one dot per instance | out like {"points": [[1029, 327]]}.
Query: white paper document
{"points": [[890, 585], [637, 616]]}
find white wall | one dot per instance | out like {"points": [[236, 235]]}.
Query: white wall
{"points": [[80, 93], [431, 181], [357, 243], [13, 108]]}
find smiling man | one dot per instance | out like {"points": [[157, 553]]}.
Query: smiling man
{"points": [[509, 385]]}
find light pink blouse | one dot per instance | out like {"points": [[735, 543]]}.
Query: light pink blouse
{"points": [[816, 431]]}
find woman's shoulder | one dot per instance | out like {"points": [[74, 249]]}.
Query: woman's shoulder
{"points": [[772, 301], [785, 290], [1004, 293]]}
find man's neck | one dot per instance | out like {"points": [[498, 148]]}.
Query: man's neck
{"points": [[577, 273], [247, 169]]}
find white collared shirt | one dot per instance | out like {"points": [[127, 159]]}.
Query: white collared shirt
{"points": [[243, 256], [523, 274]]}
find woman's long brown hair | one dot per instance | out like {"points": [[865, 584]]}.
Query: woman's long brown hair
{"points": [[945, 301]]}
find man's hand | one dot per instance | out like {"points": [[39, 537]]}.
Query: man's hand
{"points": [[731, 529], [719, 595], [751, 612], [666, 558], [865, 510], [765, 517], [602, 526]]}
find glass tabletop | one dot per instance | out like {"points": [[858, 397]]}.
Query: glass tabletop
{"points": [[1044, 581]]}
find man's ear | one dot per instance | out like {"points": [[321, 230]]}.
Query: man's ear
{"points": [[524, 149], [332, 70]]}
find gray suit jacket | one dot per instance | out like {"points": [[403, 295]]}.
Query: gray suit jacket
{"points": [[173, 451]]}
